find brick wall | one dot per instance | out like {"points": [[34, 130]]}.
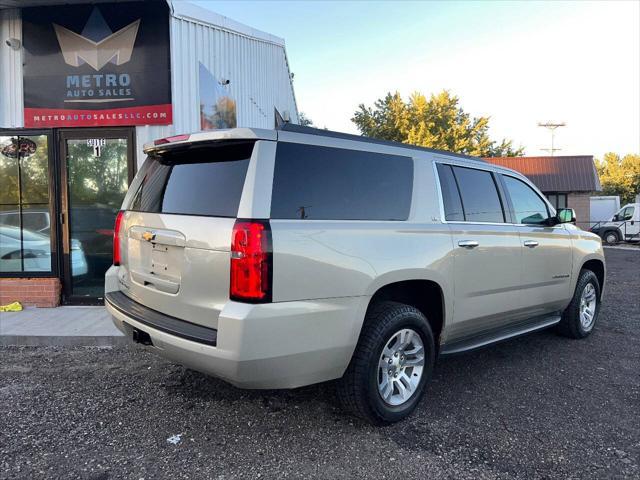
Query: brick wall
{"points": [[39, 292], [581, 203]]}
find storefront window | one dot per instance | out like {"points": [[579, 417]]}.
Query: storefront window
{"points": [[25, 222]]}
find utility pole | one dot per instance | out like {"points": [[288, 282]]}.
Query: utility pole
{"points": [[551, 126]]}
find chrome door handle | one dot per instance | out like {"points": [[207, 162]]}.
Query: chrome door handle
{"points": [[531, 243], [468, 243]]}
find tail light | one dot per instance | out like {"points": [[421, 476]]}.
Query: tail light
{"points": [[251, 261], [175, 138], [116, 238]]}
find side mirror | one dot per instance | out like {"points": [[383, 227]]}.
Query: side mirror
{"points": [[616, 218], [566, 215]]}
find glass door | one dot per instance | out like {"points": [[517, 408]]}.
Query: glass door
{"points": [[97, 166]]}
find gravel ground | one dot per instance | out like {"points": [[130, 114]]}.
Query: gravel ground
{"points": [[541, 406]]}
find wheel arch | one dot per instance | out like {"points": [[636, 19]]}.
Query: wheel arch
{"points": [[425, 294], [597, 266]]}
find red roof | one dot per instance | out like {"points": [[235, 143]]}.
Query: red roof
{"points": [[565, 173]]}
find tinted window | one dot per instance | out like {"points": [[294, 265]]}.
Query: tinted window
{"points": [[480, 199], [450, 195], [204, 181], [322, 183], [528, 206]]}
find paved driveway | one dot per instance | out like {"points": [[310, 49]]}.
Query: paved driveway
{"points": [[536, 407]]}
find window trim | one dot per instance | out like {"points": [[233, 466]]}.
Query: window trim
{"points": [[53, 206], [507, 198], [506, 214]]}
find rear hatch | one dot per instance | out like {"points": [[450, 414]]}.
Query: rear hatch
{"points": [[175, 236]]}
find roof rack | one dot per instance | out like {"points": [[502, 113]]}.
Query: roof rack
{"points": [[292, 127]]}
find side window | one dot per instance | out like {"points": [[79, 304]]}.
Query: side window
{"points": [[450, 195], [480, 199], [529, 207], [628, 213], [323, 183]]}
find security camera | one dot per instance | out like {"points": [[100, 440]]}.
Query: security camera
{"points": [[224, 81], [13, 43]]}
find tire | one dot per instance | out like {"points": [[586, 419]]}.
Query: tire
{"points": [[359, 388], [611, 237], [573, 323]]}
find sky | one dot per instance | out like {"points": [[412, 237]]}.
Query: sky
{"points": [[518, 63]]}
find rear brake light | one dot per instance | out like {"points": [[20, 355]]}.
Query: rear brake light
{"points": [[251, 261], [116, 238], [175, 138]]}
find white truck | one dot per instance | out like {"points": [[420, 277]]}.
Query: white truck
{"points": [[623, 226]]}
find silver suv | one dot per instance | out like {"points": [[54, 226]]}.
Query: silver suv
{"points": [[282, 258]]}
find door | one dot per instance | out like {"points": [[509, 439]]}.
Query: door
{"points": [[97, 166], [631, 227], [487, 252], [547, 257]]}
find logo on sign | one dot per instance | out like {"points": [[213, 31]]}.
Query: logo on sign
{"points": [[113, 48]]}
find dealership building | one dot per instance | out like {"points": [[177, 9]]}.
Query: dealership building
{"points": [[83, 86]]}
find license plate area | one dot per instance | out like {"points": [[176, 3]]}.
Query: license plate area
{"points": [[156, 258]]}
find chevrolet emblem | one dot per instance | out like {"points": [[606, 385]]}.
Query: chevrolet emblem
{"points": [[149, 236]]}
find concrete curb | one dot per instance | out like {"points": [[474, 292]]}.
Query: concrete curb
{"points": [[628, 249], [62, 341]]}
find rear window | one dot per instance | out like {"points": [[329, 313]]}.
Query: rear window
{"points": [[205, 181], [323, 183]]}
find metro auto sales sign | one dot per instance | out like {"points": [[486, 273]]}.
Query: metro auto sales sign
{"points": [[97, 65]]}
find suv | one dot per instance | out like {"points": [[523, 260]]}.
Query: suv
{"points": [[282, 258]]}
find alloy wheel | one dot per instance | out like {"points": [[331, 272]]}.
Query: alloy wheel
{"points": [[400, 367], [588, 303]]}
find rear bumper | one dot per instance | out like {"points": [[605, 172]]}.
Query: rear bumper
{"points": [[276, 345]]}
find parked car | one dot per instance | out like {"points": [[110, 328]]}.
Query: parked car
{"points": [[36, 220], [276, 259], [35, 251], [623, 226]]}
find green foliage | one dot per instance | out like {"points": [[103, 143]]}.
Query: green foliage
{"points": [[438, 122], [99, 180], [34, 174], [620, 176], [304, 120]]}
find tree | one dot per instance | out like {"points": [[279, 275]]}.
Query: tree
{"points": [[438, 122], [304, 120], [620, 176]]}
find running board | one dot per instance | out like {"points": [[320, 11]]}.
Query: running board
{"points": [[484, 339]]}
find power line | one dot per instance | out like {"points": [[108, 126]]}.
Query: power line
{"points": [[551, 126]]}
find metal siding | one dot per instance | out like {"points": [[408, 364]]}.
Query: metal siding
{"points": [[11, 100], [257, 69]]}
